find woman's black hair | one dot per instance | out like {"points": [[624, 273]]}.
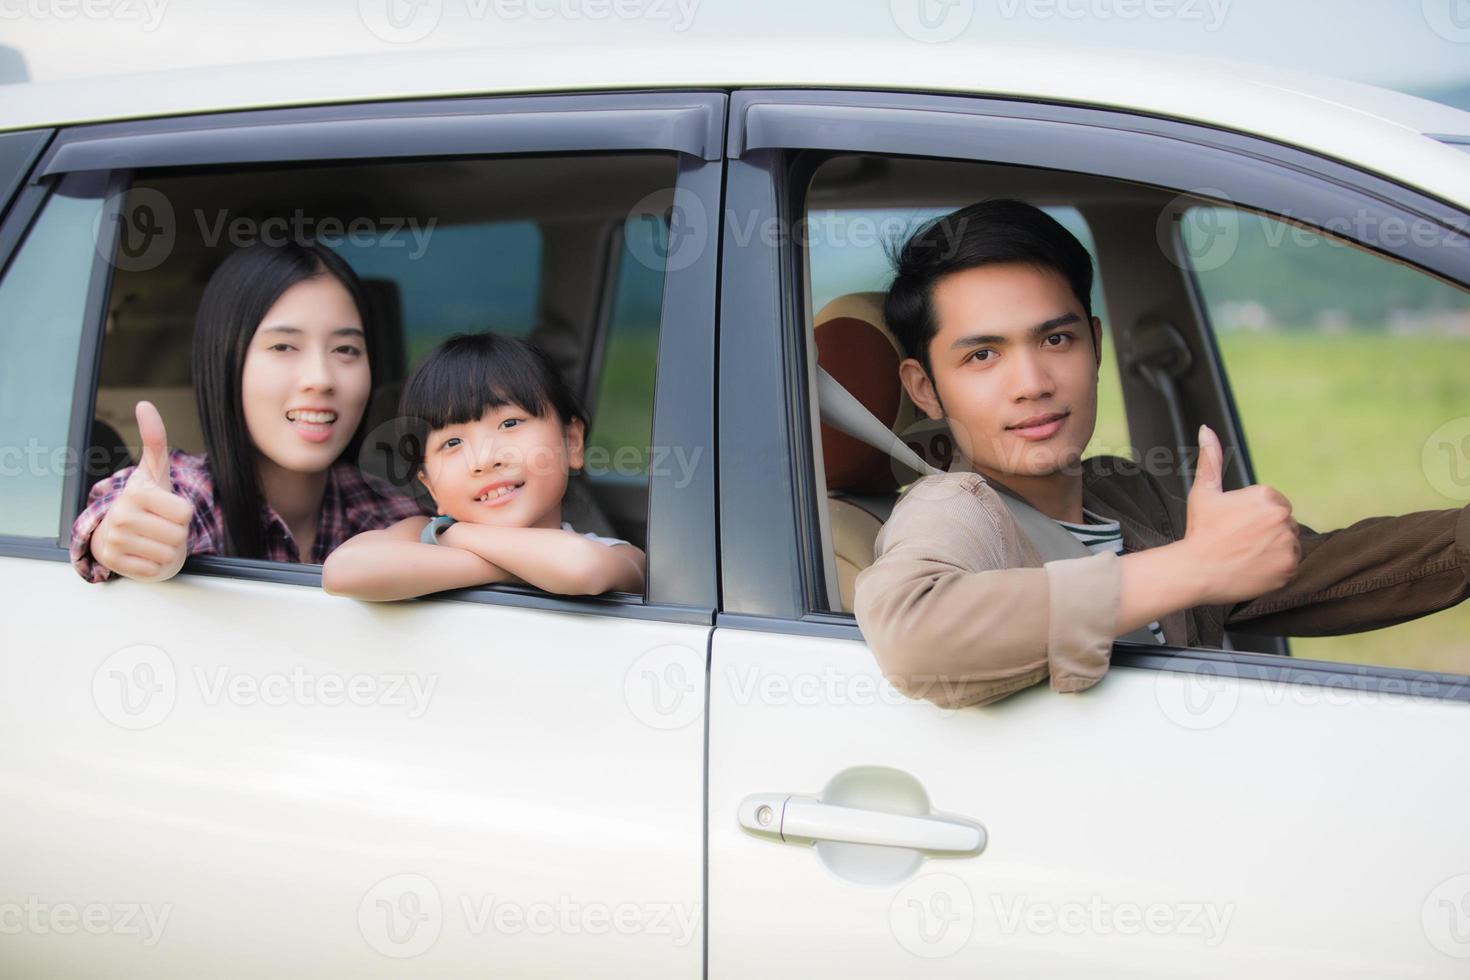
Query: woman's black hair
{"points": [[987, 233], [238, 296], [471, 373]]}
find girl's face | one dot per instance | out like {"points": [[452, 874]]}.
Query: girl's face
{"points": [[306, 379], [508, 468]]}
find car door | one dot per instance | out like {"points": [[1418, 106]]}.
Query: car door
{"points": [[1197, 813], [234, 773]]}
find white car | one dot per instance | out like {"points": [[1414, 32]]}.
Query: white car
{"points": [[236, 774]]}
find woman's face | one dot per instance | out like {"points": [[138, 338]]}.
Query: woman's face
{"points": [[306, 380], [507, 468]]}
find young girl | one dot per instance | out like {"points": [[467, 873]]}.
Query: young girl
{"points": [[282, 380], [493, 432]]}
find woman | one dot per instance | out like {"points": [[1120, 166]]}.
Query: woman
{"points": [[282, 378]]}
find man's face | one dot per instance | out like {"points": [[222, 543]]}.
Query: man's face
{"points": [[1013, 369]]}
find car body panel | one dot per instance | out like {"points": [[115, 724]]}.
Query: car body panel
{"points": [[272, 769], [1377, 130], [1165, 824]]}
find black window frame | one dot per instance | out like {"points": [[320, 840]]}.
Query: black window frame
{"points": [[772, 577], [19, 151], [681, 581]]}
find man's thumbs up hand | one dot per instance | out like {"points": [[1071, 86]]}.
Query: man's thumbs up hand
{"points": [[145, 534], [1245, 541]]}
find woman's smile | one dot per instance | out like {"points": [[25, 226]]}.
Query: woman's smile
{"points": [[312, 424]]}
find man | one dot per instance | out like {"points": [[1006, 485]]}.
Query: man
{"points": [[991, 306]]}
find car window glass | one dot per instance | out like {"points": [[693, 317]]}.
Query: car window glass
{"points": [[517, 245], [43, 298], [621, 424], [847, 253], [1349, 375], [455, 278]]}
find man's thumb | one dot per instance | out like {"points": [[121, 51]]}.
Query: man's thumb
{"points": [[153, 465], [1208, 476]]}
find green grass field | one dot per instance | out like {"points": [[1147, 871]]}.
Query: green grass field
{"points": [[1338, 423]]}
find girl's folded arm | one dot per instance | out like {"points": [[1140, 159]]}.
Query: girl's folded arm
{"points": [[554, 560], [393, 563]]}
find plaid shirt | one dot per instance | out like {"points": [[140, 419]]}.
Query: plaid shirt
{"points": [[353, 502]]}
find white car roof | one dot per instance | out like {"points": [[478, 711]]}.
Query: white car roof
{"points": [[1381, 131]]}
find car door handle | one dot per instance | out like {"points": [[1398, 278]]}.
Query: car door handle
{"points": [[806, 819]]}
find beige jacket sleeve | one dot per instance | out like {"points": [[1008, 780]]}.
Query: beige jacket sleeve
{"points": [[958, 609]]}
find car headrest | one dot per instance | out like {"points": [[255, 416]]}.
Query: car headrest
{"points": [[857, 351], [385, 321]]}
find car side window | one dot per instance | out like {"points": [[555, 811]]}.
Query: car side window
{"points": [[851, 257], [43, 300], [1349, 374], [622, 424], [848, 261], [514, 245], [454, 278]]}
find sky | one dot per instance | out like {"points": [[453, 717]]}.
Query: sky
{"points": [[1418, 46]]}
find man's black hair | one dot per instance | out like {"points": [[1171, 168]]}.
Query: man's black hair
{"points": [[986, 233]]}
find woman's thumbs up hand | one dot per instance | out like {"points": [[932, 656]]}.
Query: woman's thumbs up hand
{"points": [[145, 534]]}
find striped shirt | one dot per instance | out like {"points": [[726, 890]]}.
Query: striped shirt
{"points": [[1099, 535]]}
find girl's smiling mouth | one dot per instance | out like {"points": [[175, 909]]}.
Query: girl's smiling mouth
{"points": [[497, 494]]}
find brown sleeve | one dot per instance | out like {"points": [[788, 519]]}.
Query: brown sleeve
{"points": [[952, 619], [1377, 572]]}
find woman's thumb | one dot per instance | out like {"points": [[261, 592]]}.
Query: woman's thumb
{"points": [[154, 461]]}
